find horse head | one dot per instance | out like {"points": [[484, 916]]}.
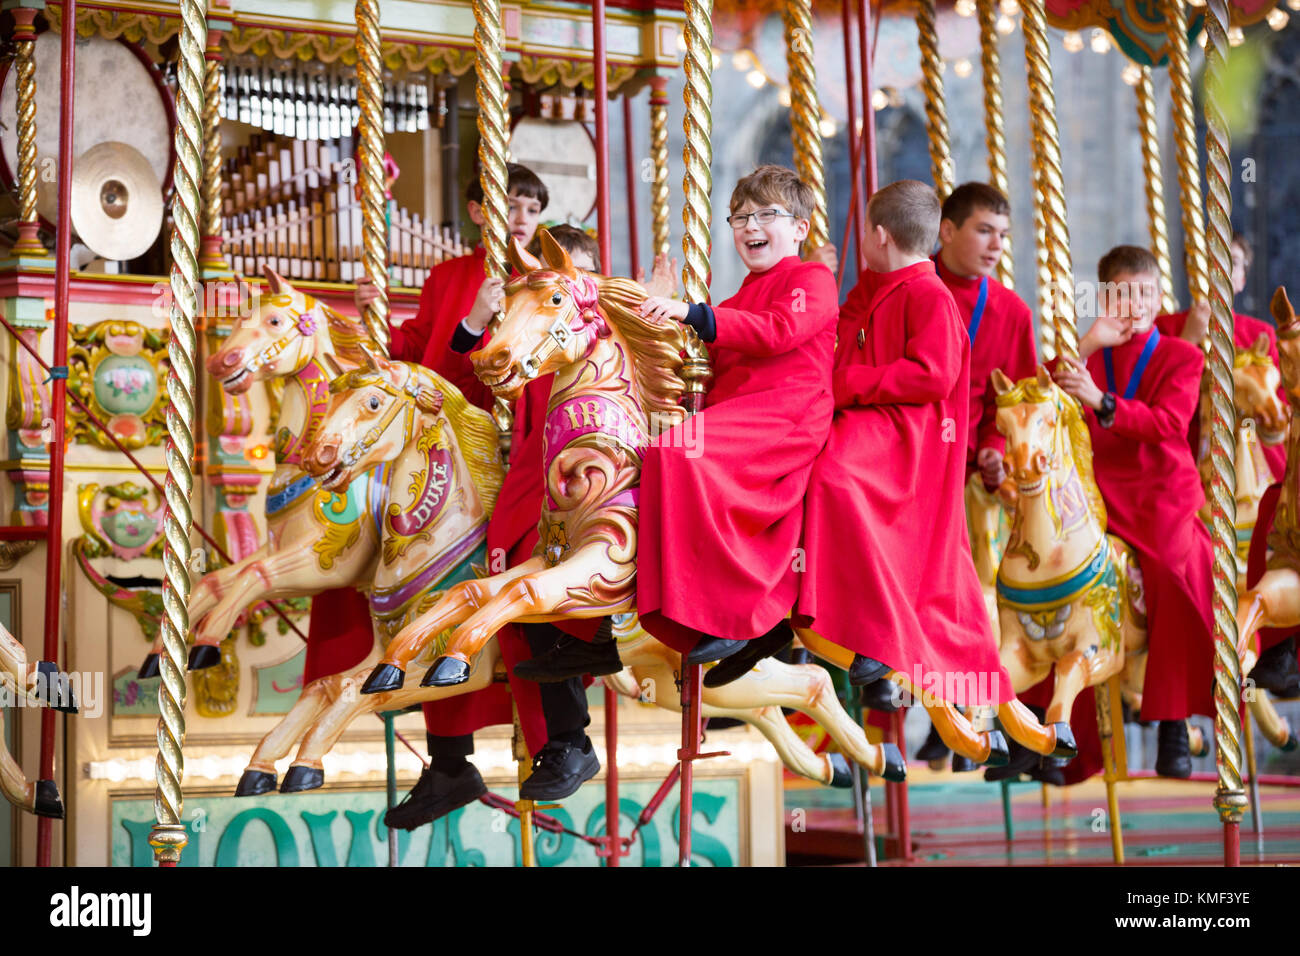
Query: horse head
{"points": [[1288, 344], [277, 339], [1030, 415], [374, 412], [1255, 386]]}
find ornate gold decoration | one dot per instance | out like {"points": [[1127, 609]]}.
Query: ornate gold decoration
{"points": [[216, 689], [131, 347], [995, 138], [212, 258], [1189, 163], [169, 836], [336, 538], [659, 156], [1230, 798], [1049, 186], [374, 228], [936, 113], [11, 552], [548, 71], [805, 113], [116, 24], [28, 243], [1149, 130]]}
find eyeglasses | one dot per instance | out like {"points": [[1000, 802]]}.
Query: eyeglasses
{"points": [[763, 217]]}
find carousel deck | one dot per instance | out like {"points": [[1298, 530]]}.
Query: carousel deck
{"points": [[960, 823]]}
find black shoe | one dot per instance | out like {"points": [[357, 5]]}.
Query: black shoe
{"points": [[1173, 751], [710, 649], [559, 769], [570, 657], [435, 795], [738, 665], [1276, 671], [962, 764], [881, 695], [1020, 760], [864, 670], [1048, 771], [934, 748]]}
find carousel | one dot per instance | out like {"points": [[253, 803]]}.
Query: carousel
{"points": [[216, 456]]}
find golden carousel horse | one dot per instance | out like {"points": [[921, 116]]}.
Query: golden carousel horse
{"points": [[388, 415], [37, 683]]}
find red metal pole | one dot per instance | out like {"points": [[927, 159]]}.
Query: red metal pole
{"points": [[867, 51], [904, 816], [602, 133], [857, 206], [692, 690], [629, 167], [612, 842], [1231, 843], [58, 402]]}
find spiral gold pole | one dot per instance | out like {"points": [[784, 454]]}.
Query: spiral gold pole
{"points": [[1230, 798], [1149, 130], [805, 114], [374, 226], [936, 112], [211, 258], [29, 243], [1043, 285], [1189, 162], [169, 836], [697, 187], [996, 139], [492, 132], [1049, 186], [659, 158]]}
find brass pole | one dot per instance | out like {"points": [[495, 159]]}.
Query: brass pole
{"points": [[936, 113], [492, 132], [1149, 129], [212, 259], [29, 243], [805, 114], [659, 157], [990, 63], [374, 226], [1189, 163], [169, 835], [697, 186], [1043, 284]]}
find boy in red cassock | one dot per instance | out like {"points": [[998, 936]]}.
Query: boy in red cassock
{"points": [[890, 574], [1140, 390]]}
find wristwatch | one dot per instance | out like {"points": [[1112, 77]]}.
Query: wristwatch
{"points": [[1106, 414]]}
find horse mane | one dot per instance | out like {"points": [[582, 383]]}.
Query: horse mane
{"points": [[659, 345], [1030, 390]]}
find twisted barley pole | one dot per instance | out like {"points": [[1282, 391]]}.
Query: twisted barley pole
{"points": [[169, 837], [1043, 284], [211, 258], [936, 113], [697, 187], [1049, 186], [1149, 129], [1189, 163], [492, 131], [805, 113], [990, 63], [374, 226], [29, 243], [1230, 798], [659, 158]]}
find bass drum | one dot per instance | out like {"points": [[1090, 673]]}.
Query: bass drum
{"points": [[563, 154], [120, 97]]}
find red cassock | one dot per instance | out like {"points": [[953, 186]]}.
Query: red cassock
{"points": [[1246, 329], [889, 571], [1004, 340], [1152, 491], [721, 510]]}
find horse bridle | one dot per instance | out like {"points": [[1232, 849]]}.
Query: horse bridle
{"points": [[305, 325], [584, 292], [406, 401]]}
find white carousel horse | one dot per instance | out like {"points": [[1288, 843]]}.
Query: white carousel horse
{"points": [[38, 683]]}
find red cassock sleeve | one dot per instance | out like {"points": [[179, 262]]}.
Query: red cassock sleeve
{"points": [[1181, 391], [1021, 362], [789, 321], [927, 371], [407, 341]]}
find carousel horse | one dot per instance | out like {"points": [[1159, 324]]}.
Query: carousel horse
{"points": [[289, 335], [39, 683], [386, 417]]}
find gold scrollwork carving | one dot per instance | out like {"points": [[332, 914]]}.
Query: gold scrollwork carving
{"points": [[119, 369]]}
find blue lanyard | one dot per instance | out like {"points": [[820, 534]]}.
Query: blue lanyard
{"points": [[1131, 389], [973, 329]]}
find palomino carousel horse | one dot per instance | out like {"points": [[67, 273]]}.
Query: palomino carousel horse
{"points": [[615, 374], [37, 683], [379, 417], [316, 538]]}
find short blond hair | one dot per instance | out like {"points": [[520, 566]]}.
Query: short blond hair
{"points": [[770, 185], [909, 211]]}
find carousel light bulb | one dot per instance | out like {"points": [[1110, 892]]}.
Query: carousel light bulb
{"points": [[1236, 36], [965, 8], [756, 79], [828, 127], [1072, 41], [1293, 4], [879, 100], [717, 59], [962, 67], [1278, 18], [1100, 41], [1005, 25], [740, 61], [1009, 7], [1132, 74], [783, 96]]}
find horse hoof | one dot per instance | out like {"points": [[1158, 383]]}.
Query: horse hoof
{"points": [[254, 783], [895, 766], [1290, 744], [47, 802], [149, 668], [298, 779], [446, 672], [1065, 745], [384, 678], [55, 691], [841, 773], [203, 656], [963, 764], [999, 751]]}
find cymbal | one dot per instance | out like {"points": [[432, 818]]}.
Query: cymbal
{"points": [[117, 206]]}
